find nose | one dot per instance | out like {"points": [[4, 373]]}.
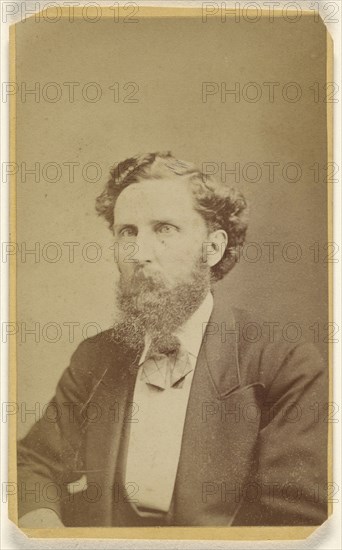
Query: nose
{"points": [[144, 248]]}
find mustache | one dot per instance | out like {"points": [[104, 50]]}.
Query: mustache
{"points": [[142, 279]]}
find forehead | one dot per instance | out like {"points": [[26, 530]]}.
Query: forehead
{"points": [[155, 199]]}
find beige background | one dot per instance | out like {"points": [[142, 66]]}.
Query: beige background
{"points": [[169, 59]]}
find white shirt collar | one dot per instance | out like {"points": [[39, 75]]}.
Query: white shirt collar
{"points": [[190, 334]]}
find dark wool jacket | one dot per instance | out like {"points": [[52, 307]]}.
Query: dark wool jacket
{"points": [[253, 450]]}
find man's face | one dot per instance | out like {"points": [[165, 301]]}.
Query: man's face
{"points": [[163, 276], [160, 234]]}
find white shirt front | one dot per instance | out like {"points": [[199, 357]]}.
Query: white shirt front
{"points": [[155, 439]]}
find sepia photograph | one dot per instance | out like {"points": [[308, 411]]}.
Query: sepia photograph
{"points": [[171, 256]]}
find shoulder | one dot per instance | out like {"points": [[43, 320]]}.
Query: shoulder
{"points": [[96, 355], [102, 342], [266, 352]]}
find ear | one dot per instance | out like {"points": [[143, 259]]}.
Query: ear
{"points": [[215, 247]]}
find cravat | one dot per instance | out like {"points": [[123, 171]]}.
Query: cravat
{"points": [[169, 370]]}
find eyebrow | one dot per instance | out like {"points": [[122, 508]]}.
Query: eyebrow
{"points": [[152, 222], [166, 221]]}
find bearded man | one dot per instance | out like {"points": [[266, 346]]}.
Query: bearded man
{"points": [[150, 429]]}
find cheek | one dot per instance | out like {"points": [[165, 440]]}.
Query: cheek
{"points": [[181, 255]]}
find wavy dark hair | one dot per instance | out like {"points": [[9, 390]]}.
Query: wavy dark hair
{"points": [[221, 207]]}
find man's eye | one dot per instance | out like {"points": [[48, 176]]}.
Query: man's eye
{"points": [[127, 232], [166, 228]]}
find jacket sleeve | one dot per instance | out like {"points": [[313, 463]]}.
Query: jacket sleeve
{"points": [[291, 465], [51, 455]]}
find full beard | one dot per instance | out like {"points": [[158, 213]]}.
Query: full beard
{"points": [[148, 304]]}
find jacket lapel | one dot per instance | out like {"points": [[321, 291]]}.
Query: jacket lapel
{"points": [[220, 352], [217, 445], [113, 394]]}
